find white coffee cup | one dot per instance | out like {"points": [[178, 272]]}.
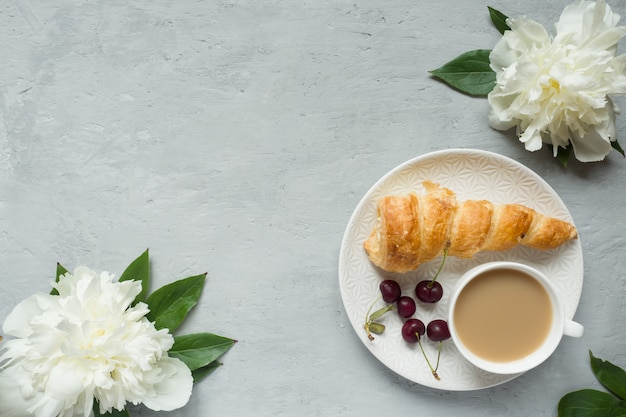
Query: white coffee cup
{"points": [[558, 326]]}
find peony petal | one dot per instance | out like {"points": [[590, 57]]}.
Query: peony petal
{"points": [[591, 26], [595, 145], [618, 67], [49, 408], [606, 40], [66, 384], [497, 122], [532, 139], [530, 33], [12, 404], [524, 34], [572, 19], [174, 389], [559, 137], [502, 55], [17, 323]]}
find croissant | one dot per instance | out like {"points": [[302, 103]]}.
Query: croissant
{"points": [[414, 229]]}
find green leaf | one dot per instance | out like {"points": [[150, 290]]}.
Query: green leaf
{"points": [[381, 312], [201, 373], [609, 375], [615, 145], [60, 272], [469, 73], [563, 154], [170, 304], [591, 403], [499, 20], [200, 349], [377, 328], [138, 270]]}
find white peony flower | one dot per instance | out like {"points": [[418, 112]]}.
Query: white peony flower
{"points": [[555, 90], [87, 343]]}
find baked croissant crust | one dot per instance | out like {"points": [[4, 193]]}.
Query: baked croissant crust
{"points": [[413, 229]]}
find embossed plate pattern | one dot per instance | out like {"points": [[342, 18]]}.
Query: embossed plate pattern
{"points": [[471, 174]]}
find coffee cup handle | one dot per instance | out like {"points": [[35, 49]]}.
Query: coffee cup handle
{"points": [[573, 329]]}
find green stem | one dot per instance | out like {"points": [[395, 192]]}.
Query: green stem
{"points": [[443, 261], [368, 321], [438, 355], [432, 370], [367, 315]]}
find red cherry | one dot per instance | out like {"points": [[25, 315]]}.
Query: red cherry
{"points": [[428, 291], [406, 306], [412, 329], [437, 330], [390, 290]]}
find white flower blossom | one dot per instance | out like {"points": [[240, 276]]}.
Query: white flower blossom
{"points": [[556, 90], [87, 343]]}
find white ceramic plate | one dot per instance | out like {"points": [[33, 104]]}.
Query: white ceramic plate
{"points": [[471, 174]]}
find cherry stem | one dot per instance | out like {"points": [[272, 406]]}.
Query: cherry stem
{"points": [[432, 370], [370, 317], [367, 318], [443, 261]]}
